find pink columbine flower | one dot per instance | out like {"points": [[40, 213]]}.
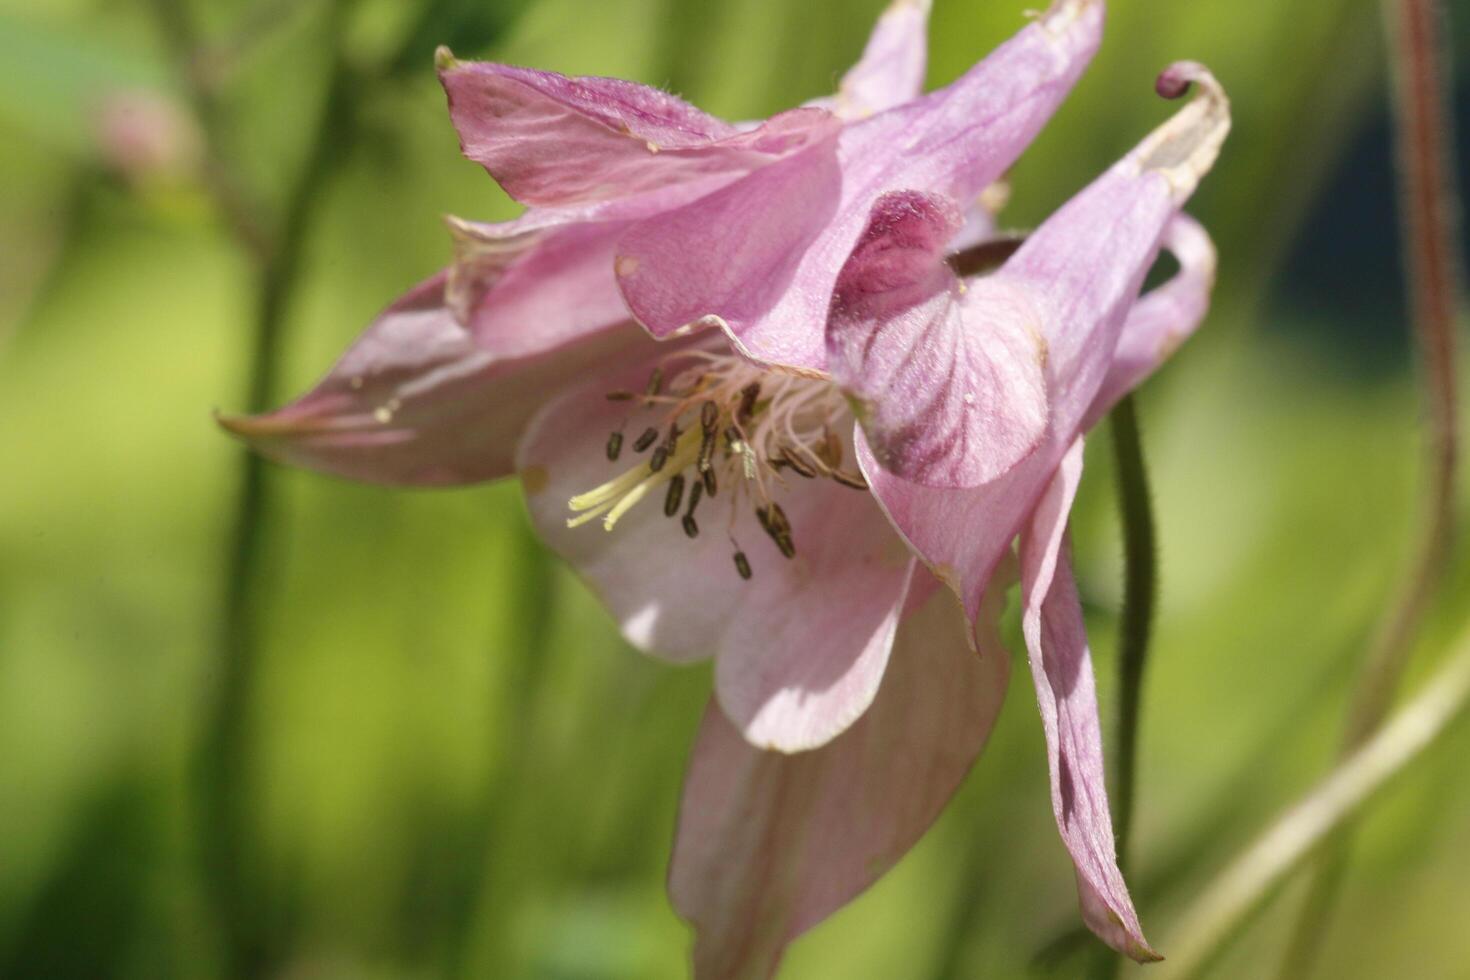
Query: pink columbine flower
{"points": [[835, 425]]}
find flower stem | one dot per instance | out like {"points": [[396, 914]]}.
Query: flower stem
{"points": [[1300, 830], [1423, 137], [1140, 592], [222, 781]]}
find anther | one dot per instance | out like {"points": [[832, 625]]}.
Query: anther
{"points": [[671, 441], [674, 496], [742, 565], [655, 382], [709, 416], [690, 528], [646, 439], [620, 396], [831, 450], [798, 464], [709, 481], [748, 395], [658, 459], [695, 492], [773, 521], [706, 449], [614, 445], [847, 479]]}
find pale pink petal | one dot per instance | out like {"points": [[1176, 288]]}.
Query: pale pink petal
{"points": [[891, 70], [768, 844], [553, 140], [1163, 318], [1083, 267], [801, 646], [948, 381], [954, 142], [1062, 669], [416, 402]]}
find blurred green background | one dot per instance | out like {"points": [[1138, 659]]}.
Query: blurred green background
{"points": [[448, 763]]}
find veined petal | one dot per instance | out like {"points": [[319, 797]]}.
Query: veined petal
{"points": [[1082, 269], [417, 402], [954, 142], [801, 646], [1163, 318], [948, 380], [553, 140], [1061, 666], [891, 70], [769, 845]]}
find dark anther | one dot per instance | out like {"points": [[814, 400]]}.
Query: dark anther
{"points": [[690, 528], [742, 565], [831, 451], [854, 480], [709, 416], [732, 436], [709, 482], [658, 459], [671, 441], [798, 464], [674, 496], [695, 492], [985, 256], [748, 395], [646, 440], [773, 521], [655, 382], [614, 445], [706, 449], [620, 396]]}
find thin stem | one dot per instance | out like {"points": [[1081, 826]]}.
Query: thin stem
{"points": [[221, 767], [1140, 592], [1297, 833], [1423, 137]]}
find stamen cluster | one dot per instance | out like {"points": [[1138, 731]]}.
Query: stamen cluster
{"points": [[725, 422]]}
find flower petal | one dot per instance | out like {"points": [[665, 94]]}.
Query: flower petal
{"points": [[553, 140], [948, 381], [891, 70], [954, 142], [1061, 666], [768, 845], [1082, 269], [1163, 318], [801, 646], [417, 402]]}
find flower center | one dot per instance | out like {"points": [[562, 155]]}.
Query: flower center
{"points": [[725, 423]]}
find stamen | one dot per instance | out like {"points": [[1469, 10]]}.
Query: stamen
{"points": [[709, 416], [659, 458], [695, 492], [854, 480], [690, 528], [646, 439], [709, 481], [742, 565], [748, 395], [706, 449], [614, 446], [620, 396], [655, 382], [674, 496], [794, 461]]}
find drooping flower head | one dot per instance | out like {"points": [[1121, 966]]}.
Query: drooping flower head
{"points": [[754, 403]]}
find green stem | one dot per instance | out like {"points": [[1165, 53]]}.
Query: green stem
{"points": [[221, 771], [1140, 592], [1423, 139]]}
